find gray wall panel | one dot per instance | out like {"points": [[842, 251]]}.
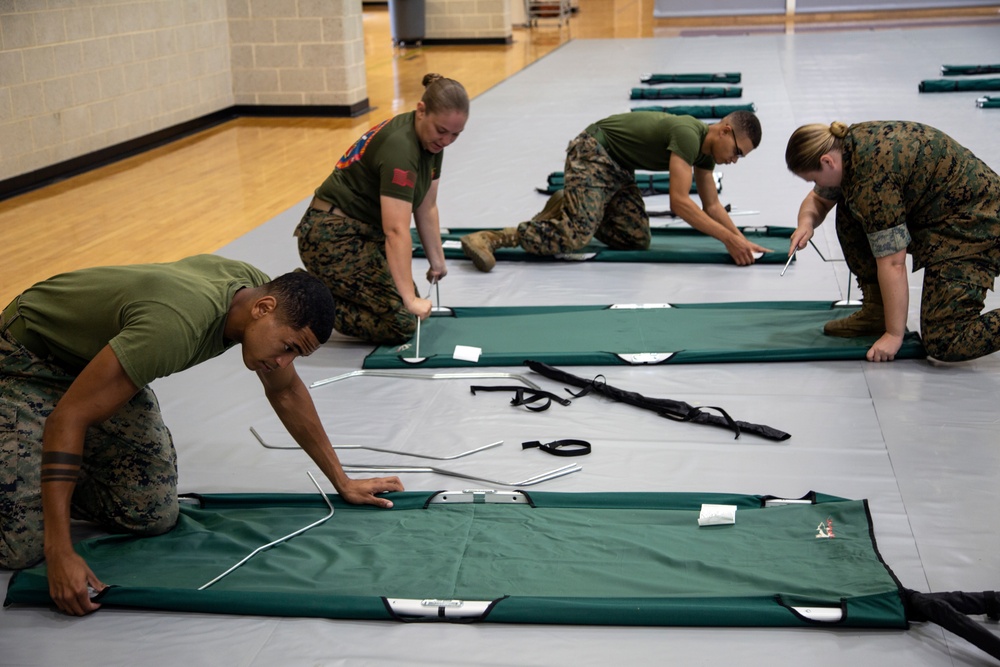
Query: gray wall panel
{"points": [[668, 8]]}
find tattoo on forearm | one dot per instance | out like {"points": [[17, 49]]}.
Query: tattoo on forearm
{"points": [[60, 475], [61, 458]]}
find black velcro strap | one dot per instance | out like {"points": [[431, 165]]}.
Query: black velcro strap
{"points": [[567, 447], [526, 396]]}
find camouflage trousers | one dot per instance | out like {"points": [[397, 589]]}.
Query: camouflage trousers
{"points": [[600, 200], [128, 481], [348, 255], [953, 326]]}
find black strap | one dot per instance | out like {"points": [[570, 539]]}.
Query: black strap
{"points": [[665, 407], [526, 396], [950, 610], [567, 447]]}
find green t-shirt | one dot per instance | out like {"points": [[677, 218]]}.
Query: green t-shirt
{"points": [[387, 160], [158, 318], [646, 140], [914, 188]]}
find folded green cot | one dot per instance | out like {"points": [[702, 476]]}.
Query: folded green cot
{"points": [[649, 183], [696, 77], [701, 110], [626, 559], [685, 92], [958, 85], [667, 245], [988, 102], [624, 334], [966, 70]]}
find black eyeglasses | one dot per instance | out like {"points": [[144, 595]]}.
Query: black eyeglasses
{"points": [[739, 153]]}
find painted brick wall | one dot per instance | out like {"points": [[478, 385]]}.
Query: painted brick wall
{"points": [[76, 77], [469, 19], [297, 52]]}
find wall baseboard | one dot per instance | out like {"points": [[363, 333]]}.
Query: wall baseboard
{"points": [[23, 183]]}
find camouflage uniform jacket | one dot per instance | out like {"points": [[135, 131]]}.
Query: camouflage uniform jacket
{"points": [[913, 187]]}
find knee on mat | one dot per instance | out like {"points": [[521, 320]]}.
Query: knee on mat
{"points": [[150, 523], [395, 331]]}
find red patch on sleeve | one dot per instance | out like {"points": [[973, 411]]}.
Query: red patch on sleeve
{"points": [[405, 178]]}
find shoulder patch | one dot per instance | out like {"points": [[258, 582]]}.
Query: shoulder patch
{"points": [[404, 178]]}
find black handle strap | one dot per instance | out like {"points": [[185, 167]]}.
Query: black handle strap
{"points": [[526, 396], [566, 447]]}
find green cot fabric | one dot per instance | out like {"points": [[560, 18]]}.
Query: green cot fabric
{"points": [[667, 245], [685, 92], [988, 102], [598, 335], [701, 110], [588, 558], [653, 183], [696, 77], [958, 85], [966, 70]]}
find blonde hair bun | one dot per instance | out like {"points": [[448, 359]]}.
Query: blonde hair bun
{"points": [[838, 129]]}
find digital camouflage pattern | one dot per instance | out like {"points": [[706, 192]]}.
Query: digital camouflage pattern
{"points": [[128, 481], [600, 200], [909, 186], [348, 255]]}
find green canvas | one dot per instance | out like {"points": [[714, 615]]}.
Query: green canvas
{"points": [[667, 245], [695, 77], [581, 558], [966, 70], [605, 335], [958, 85], [649, 183], [700, 110], [685, 92]]}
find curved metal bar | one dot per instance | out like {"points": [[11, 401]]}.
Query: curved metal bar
{"points": [[379, 449], [280, 540], [430, 376], [536, 479]]}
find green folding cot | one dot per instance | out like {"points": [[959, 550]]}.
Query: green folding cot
{"points": [[626, 559], [625, 334], [685, 92], [966, 70], [694, 77], [988, 102], [649, 183], [517, 557], [958, 85], [701, 110], [667, 245]]}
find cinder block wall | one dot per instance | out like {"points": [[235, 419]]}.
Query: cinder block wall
{"points": [[297, 52], [469, 19], [78, 77]]}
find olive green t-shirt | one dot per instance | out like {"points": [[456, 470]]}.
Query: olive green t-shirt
{"points": [[157, 318], [915, 188], [387, 160], [646, 140]]}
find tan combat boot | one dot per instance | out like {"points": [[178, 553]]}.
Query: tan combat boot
{"points": [[869, 321], [479, 246]]}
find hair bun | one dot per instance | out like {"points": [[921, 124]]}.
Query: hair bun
{"points": [[838, 129], [430, 78]]}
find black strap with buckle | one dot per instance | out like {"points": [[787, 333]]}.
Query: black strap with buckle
{"points": [[567, 447]]}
